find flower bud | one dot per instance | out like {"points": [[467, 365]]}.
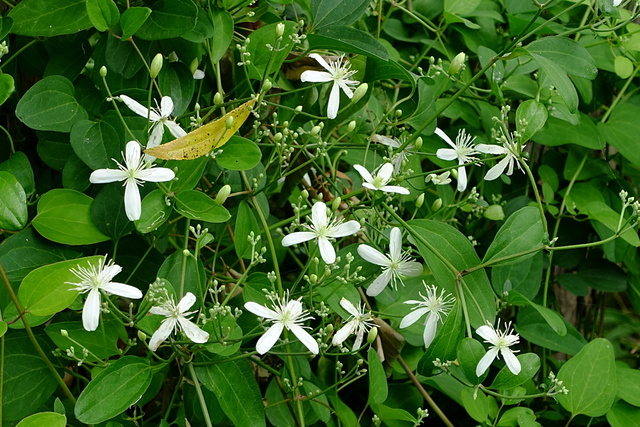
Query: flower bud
{"points": [[313, 278], [267, 85], [329, 328], [142, 336], [418, 143], [299, 108], [223, 194], [335, 205], [351, 126], [398, 112], [279, 29], [437, 204], [371, 336], [304, 194], [277, 137], [217, 98], [103, 71], [359, 92], [229, 123], [457, 64], [420, 201], [64, 333], [156, 65], [315, 130]]}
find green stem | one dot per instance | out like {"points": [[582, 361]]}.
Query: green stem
{"points": [[620, 94], [185, 254], [15, 55], [532, 179], [203, 402]]}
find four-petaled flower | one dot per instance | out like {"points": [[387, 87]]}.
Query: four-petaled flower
{"points": [[134, 172], [396, 264], [159, 118], [322, 229], [500, 342], [512, 152], [359, 323], [434, 306], [176, 316], [95, 279], [400, 157], [285, 314], [463, 151], [339, 74], [380, 180]]}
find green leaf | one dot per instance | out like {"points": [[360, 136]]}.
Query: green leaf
{"points": [[7, 87], [47, 290], [557, 77], [5, 26], [246, 222], [505, 380], [560, 132], [469, 353], [445, 344], [628, 384], [261, 56], [461, 7], [591, 379], [13, 204], [76, 174], [155, 212], [197, 205], [531, 116], [337, 12], [203, 30], [178, 267], [104, 14], [169, 19], [20, 167], [50, 105], [476, 403], [236, 389], [44, 18], [521, 232], [621, 129], [223, 33], [239, 154], [460, 254], [132, 19], [622, 414], [108, 214], [347, 39], [188, 173], [519, 416], [378, 388], [378, 69], [49, 419], [426, 108], [96, 143], [102, 343], [225, 336], [623, 66], [386, 414], [523, 276], [176, 81], [533, 327], [565, 53], [124, 382], [551, 317], [64, 216]]}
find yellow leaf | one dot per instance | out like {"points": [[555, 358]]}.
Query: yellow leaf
{"points": [[201, 141]]}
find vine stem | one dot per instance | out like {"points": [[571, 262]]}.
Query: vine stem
{"points": [[33, 339], [203, 402]]}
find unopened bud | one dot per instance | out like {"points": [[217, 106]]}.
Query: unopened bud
{"points": [[398, 112], [418, 143], [277, 137], [194, 65], [156, 65], [313, 278], [335, 205], [64, 333], [315, 130], [371, 337], [351, 126], [304, 194], [185, 252], [223, 194], [359, 92], [217, 98], [420, 201], [329, 328], [103, 71], [142, 336], [279, 29], [437, 204], [229, 123], [299, 108], [267, 85], [457, 63]]}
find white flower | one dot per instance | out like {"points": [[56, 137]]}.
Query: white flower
{"points": [[322, 229], [337, 73], [401, 156], [94, 280], [359, 323], [396, 264], [616, 3], [434, 306], [500, 342], [198, 74], [380, 180], [285, 314], [462, 151], [512, 154], [159, 118], [442, 179], [134, 172], [176, 316]]}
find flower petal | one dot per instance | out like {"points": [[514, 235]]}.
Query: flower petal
{"points": [[104, 176], [490, 149], [175, 129], [192, 331], [364, 173], [132, 155], [385, 140], [345, 88], [349, 307], [162, 333], [91, 311], [160, 310], [385, 172], [132, 204], [444, 136], [319, 215], [446, 154], [511, 360], [260, 310], [346, 229], [462, 178], [156, 136], [380, 283], [488, 333], [305, 338], [297, 237], [137, 108], [486, 360], [413, 317], [395, 189], [334, 101], [315, 76], [321, 61], [327, 252], [186, 302], [430, 326], [269, 338], [343, 333], [410, 268], [156, 175], [373, 256], [497, 170], [166, 106], [122, 290]]}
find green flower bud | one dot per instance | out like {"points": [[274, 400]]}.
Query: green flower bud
{"points": [[103, 71], [194, 65], [229, 123], [359, 92], [420, 200], [217, 98], [329, 328], [335, 205], [64, 333], [304, 194], [398, 112], [223, 194], [279, 29], [142, 336], [371, 336], [267, 85], [437, 204], [418, 143], [299, 108], [315, 130], [351, 126], [457, 64], [156, 65], [313, 278], [494, 213]]}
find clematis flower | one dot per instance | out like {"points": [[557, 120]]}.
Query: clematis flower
{"points": [[285, 314], [442, 179], [359, 323], [395, 265], [322, 229], [434, 306], [134, 172], [95, 280], [339, 74], [176, 318], [463, 151], [500, 342], [159, 117], [399, 157], [380, 180], [512, 152]]}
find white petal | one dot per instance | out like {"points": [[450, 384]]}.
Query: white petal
{"points": [[497, 170], [343, 333], [410, 268], [357, 343], [346, 229], [175, 129], [132, 154], [104, 176], [186, 302], [511, 360], [297, 237], [327, 252], [315, 76], [137, 108], [320, 61], [485, 362], [385, 172], [198, 75], [394, 189], [413, 317], [364, 173], [447, 154], [166, 106], [430, 329], [160, 310], [444, 136], [490, 149], [488, 333], [369, 186], [305, 338], [162, 333], [91, 311], [349, 307], [373, 256], [346, 89], [395, 244], [192, 331], [385, 140], [334, 101], [109, 272], [156, 136], [462, 178], [132, 204], [319, 215], [379, 283], [269, 338], [122, 290], [156, 174], [260, 310]]}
